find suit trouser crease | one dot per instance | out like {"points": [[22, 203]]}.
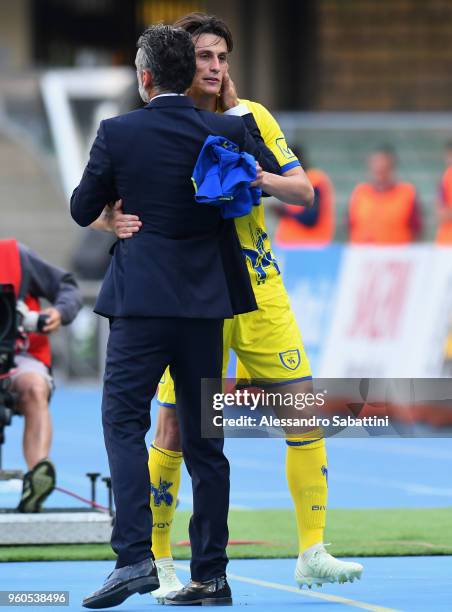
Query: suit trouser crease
{"points": [[138, 351], [208, 468]]}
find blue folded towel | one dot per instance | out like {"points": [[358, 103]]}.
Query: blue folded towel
{"points": [[222, 177]]}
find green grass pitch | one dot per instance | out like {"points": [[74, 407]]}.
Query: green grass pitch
{"points": [[352, 533]]}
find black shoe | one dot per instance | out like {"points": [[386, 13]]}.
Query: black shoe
{"points": [[122, 583], [38, 484], [215, 592]]}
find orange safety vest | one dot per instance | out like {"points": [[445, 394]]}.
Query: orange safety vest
{"points": [[382, 217], [11, 273], [444, 233], [291, 232]]}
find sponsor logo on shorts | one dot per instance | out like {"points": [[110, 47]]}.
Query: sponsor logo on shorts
{"points": [[290, 359]]}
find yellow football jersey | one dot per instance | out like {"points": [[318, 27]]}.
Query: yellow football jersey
{"points": [[262, 265], [267, 341]]}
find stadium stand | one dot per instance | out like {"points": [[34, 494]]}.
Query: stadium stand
{"points": [[29, 183], [339, 143]]}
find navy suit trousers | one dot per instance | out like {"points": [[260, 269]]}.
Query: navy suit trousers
{"points": [[139, 350]]}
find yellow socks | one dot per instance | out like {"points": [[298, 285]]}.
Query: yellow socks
{"points": [[306, 471], [164, 470]]}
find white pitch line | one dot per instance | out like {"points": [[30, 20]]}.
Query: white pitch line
{"points": [[313, 594]]}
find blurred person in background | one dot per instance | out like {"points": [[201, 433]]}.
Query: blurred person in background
{"points": [[444, 200], [33, 279], [302, 226], [261, 341], [384, 210]]}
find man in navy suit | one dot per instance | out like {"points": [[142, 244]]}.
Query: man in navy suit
{"points": [[166, 294]]}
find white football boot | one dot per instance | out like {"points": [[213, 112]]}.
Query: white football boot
{"points": [[167, 578], [317, 566]]}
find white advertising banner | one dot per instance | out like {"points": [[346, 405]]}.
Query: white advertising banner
{"points": [[381, 305], [434, 331]]}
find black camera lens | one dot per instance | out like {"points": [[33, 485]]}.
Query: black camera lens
{"points": [[6, 318], [42, 322], [5, 416]]}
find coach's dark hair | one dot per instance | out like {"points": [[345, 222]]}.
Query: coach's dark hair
{"points": [[169, 54], [201, 23]]}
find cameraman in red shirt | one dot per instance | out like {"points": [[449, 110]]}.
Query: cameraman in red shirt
{"points": [[31, 379]]}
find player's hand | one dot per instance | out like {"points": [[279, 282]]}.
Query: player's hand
{"points": [[124, 226], [228, 93], [259, 177], [53, 320]]}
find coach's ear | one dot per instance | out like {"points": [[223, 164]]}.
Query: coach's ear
{"points": [[147, 79]]}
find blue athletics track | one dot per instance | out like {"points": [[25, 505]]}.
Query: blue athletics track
{"points": [[363, 473]]}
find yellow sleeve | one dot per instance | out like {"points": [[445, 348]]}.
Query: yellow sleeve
{"points": [[273, 136]]}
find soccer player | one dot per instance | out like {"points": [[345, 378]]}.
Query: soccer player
{"points": [[268, 342]]}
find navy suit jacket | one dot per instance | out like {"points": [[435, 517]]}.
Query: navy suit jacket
{"points": [[185, 261]]}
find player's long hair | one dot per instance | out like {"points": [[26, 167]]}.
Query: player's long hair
{"points": [[201, 23]]}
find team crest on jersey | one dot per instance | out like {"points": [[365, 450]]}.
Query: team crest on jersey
{"points": [[161, 494], [162, 380], [284, 148], [290, 359], [230, 146]]}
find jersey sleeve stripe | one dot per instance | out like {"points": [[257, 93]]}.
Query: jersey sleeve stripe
{"points": [[165, 404], [290, 165]]}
